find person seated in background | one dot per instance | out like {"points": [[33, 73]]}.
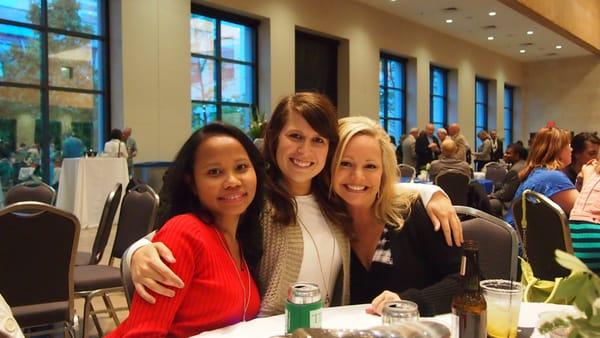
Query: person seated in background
{"points": [[585, 148], [549, 154], [484, 153], [115, 147], [214, 230], [584, 222], [448, 161], [500, 199], [394, 246]]}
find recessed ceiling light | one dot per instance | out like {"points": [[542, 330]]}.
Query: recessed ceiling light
{"points": [[558, 46], [490, 38], [393, 0], [529, 32], [522, 51], [492, 13], [449, 21]]}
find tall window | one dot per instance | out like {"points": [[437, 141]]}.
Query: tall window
{"points": [[223, 69], [508, 114], [53, 83], [392, 95], [481, 108], [438, 100]]}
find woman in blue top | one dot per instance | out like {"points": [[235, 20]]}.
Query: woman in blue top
{"points": [[550, 153]]}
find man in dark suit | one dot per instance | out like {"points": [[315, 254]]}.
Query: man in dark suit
{"points": [[501, 198], [427, 147], [497, 150]]}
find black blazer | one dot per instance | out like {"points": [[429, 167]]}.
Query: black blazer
{"points": [[424, 154]]}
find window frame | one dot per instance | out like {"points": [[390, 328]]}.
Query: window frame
{"points": [[220, 16], [44, 86], [384, 117], [484, 125], [432, 95], [511, 112]]}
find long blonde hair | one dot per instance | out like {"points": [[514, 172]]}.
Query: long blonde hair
{"points": [[545, 150], [391, 204]]}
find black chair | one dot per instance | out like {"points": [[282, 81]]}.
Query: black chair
{"points": [[33, 191], [106, 221], [496, 172], [406, 172], [137, 217], [543, 228], [455, 185], [128, 286], [498, 243], [37, 257]]}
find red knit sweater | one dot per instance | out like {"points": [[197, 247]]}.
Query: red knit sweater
{"points": [[213, 296]]}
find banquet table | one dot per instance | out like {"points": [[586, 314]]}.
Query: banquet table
{"points": [[85, 183], [354, 317]]}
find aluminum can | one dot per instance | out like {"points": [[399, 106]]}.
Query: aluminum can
{"points": [[303, 307]]}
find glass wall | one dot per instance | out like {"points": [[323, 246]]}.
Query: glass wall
{"points": [[52, 84], [392, 95], [223, 69]]}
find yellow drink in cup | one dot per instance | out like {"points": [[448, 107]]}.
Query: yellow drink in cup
{"points": [[503, 299]]}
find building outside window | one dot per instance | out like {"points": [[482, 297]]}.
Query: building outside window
{"points": [[53, 83], [224, 76], [392, 95], [481, 108], [438, 99], [509, 110]]}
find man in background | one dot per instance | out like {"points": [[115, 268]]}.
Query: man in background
{"points": [[442, 134], [461, 141], [449, 161], [427, 147], [409, 155], [515, 156], [131, 149], [497, 149]]}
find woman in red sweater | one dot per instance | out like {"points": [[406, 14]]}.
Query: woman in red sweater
{"points": [[214, 232]]}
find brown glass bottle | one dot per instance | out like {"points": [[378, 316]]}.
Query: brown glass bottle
{"points": [[469, 306]]}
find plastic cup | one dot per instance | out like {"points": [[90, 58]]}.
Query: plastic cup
{"points": [[399, 311], [503, 298]]}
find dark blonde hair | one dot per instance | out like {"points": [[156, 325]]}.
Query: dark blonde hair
{"points": [[545, 150], [391, 205], [321, 115]]}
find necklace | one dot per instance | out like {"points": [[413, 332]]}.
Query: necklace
{"points": [[325, 281], [246, 299]]}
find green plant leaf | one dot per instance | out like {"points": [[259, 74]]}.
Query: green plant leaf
{"points": [[570, 262]]}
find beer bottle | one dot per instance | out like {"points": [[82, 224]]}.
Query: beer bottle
{"points": [[468, 306]]}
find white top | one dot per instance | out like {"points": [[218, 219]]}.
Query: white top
{"points": [[319, 246], [115, 148]]}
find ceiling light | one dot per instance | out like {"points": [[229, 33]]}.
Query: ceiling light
{"points": [[449, 21], [522, 51], [490, 38], [558, 46], [393, 0], [529, 32], [492, 13]]}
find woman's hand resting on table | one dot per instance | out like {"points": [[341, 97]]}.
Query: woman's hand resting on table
{"points": [[442, 215], [379, 301], [149, 271]]}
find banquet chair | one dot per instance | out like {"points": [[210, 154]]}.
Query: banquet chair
{"points": [[498, 243], [495, 172], [106, 221], [30, 191], [128, 286], [406, 172], [37, 257], [137, 217], [455, 185], [543, 228]]}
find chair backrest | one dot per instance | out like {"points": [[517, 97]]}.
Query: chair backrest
{"points": [[456, 186], [128, 287], [106, 220], [138, 213], [543, 227], [38, 243], [495, 171], [406, 172], [31, 191], [498, 243]]}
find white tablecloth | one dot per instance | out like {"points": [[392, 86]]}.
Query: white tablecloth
{"points": [[86, 182], [354, 317], [478, 175]]}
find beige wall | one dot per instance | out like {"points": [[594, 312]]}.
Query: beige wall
{"points": [[151, 63], [566, 91]]}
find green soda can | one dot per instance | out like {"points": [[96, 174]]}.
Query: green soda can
{"points": [[303, 307]]}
